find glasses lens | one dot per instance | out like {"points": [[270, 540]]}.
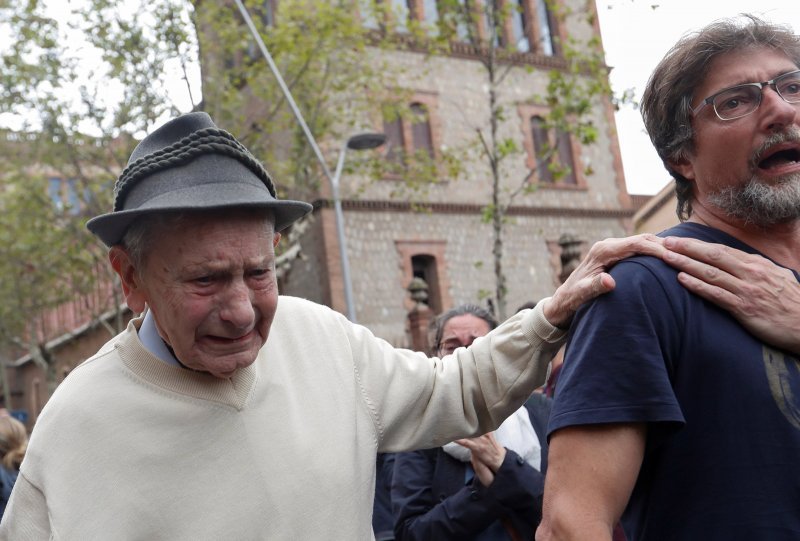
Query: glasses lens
{"points": [[788, 86], [737, 101]]}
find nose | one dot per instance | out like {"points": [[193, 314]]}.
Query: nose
{"points": [[237, 307], [777, 112]]}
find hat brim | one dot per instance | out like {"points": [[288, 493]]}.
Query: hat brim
{"points": [[111, 227]]}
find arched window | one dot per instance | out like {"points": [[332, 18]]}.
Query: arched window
{"points": [[425, 259], [550, 159], [395, 141], [546, 25], [541, 149], [519, 26], [421, 137], [411, 131]]}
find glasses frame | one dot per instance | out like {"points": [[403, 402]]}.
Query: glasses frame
{"points": [[772, 82]]}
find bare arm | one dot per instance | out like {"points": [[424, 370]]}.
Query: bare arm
{"points": [[590, 278], [762, 296], [591, 473]]}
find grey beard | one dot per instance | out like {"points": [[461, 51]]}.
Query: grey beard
{"points": [[759, 203]]}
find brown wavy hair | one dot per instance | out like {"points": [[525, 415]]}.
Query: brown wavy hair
{"points": [[670, 90]]}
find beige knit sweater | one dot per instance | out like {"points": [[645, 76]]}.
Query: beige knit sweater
{"points": [[131, 448]]}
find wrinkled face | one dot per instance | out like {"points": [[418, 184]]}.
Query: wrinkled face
{"points": [[461, 331], [212, 289], [747, 169]]}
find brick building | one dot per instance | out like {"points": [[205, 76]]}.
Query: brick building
{"points": [[389, 241]]}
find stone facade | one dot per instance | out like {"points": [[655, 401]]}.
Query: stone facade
{"points": [[384, 232]]}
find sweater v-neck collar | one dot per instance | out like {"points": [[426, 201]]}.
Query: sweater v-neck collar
{"points": [[233, 391]]}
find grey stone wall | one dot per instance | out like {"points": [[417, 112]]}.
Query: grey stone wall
{"points": [[531, 268], [597, 209]]}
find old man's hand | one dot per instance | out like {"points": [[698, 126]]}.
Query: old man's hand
{"points": [[591, 278]]}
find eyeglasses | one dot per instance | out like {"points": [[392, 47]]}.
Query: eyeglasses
{"points": [[448, 347], [738, 101]]}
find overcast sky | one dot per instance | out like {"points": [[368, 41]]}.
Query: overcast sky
{"points": [[636, 36]]}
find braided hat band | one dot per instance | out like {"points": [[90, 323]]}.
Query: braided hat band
{"points": [[205, 141], [190, 165]]}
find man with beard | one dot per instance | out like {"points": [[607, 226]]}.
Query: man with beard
{"points": [[670, 413]]}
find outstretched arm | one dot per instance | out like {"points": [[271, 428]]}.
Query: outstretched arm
{"points": [[762, 296], [591, 278]]}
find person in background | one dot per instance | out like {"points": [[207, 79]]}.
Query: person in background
{"points": [[13, 443], [678, 415], [487, 488], [382, 520]]}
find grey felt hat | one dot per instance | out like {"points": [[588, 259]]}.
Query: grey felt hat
{"points": [[190, 164]]}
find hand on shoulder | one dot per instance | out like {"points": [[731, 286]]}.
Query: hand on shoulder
{"points": [[762, 296], [591, 278]]}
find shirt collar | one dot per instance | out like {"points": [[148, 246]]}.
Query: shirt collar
{"points": [[152, 341]]}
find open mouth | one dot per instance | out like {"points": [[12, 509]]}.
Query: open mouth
{"points": [[227, 340], [780, 157]]}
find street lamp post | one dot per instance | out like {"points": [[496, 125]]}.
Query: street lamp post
{"points": [[361, 141]]}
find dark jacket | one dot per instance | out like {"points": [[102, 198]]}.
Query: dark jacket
{"points": [[7, 480], [382, 521], [430, 500]]}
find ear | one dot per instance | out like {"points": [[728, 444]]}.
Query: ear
{"points": [[685, 168], [128, 275], [276, 239]]}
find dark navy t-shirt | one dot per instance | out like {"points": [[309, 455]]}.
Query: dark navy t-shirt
{"points": [[722, 459]]}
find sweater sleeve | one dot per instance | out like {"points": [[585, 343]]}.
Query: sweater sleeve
{"points": [[26, 516], [419, 402]]}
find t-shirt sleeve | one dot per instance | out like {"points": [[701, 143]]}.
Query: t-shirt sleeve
{"points": [[620, 353]]}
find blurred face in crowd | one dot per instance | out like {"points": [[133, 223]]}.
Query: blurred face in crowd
{"points": [[211, 286], [747, 168], [461, 331]]}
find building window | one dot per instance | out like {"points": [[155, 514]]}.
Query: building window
{"points": [[424, 266], [425, 259], [458, 16], [393, 128], [545, 27], [421, 136], [368, 14], [540, 144], [553, 155], [393, 15], [65, 195], [411, 130], [529, 26], [430, 12], [526, 25], [401, 11], [519, 26]]}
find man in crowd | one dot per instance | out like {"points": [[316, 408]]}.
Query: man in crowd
{"points": [[677, 415], [226, 413]]}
